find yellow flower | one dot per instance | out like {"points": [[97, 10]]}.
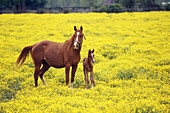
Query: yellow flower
{"points": [[131, 70]]}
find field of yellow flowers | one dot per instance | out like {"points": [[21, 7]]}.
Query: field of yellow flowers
{"points": [[132, 69]]}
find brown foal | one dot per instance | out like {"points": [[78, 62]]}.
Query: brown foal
{"points": [[58, 55], [88, 68]]}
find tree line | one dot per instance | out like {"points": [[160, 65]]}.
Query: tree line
{"points": [[102, 5], [22, 5]]}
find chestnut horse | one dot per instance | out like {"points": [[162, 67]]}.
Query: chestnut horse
{"points": [[88, 67], [55, 54]]}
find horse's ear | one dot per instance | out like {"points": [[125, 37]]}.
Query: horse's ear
{"points": [[93, 51], [89, 51], [75, 28], [81, 28]]}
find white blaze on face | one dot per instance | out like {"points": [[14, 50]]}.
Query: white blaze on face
{"points": [[93, 60], [75, 43]]}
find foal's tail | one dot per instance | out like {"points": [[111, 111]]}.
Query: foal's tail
{"points": [[23, 55]]}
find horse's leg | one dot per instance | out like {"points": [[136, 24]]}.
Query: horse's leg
{"points": [[67, 74], [43, 70], [37, 56], [74, 68], [36, 72], [92, 79]]}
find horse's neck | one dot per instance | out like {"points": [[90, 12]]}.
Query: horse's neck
{"points": [[69, 41]]}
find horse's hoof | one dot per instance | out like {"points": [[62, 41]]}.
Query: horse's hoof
{"points": [[71, 85]]}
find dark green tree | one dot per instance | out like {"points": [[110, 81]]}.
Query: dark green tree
{"points": [[127, 3], [22, 5], [146, 3], [149, 3], [5, 4], [35, 4]]}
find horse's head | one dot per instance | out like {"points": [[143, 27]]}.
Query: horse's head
{"points": [[91, 55], [78, 37]]}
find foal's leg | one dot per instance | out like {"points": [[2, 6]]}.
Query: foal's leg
{"points": [[74, 68], [87, 80], [43, 70], [85, 76], [92, 79]]}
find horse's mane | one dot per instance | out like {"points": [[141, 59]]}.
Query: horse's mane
{"points": [[69, 43]]}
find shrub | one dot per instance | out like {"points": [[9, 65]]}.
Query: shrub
{"points": [[113, 8], [103, 9], [167, 7]]}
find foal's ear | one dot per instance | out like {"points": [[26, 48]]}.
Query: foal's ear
{"points": [[75, 28], [93, 51], [81, 28]]}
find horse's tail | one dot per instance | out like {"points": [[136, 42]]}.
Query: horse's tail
{"points": [[23, 55]]}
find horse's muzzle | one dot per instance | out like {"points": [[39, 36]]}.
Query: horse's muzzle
{"points": [[93, 60], [76, 46]]}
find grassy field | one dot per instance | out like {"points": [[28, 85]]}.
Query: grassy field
{"points": [[132, 69]]}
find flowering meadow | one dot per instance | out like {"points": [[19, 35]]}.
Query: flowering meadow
{"points": [[132, 69]]}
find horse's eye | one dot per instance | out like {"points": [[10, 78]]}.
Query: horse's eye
{"points": [[81, 36]]}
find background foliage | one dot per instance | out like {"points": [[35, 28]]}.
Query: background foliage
{"points": [[21, 6], [132, 69]]}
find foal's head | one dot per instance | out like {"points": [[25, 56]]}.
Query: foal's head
{"points": [[91, 56], [78, 37]]}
